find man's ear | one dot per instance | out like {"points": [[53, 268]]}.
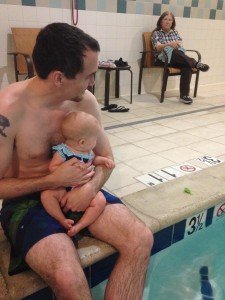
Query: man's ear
{"points": [[57, 78]]}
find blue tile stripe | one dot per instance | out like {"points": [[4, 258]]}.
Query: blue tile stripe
{"points": [[29, 2], [176, 6], [187, 12], [80, 4], [220, 4], [121, 6]]}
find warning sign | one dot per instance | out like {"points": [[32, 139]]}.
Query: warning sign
{"points": [[170, 173], [219, 211], [149, 180], [167, 174], [209, 160], [187, 168]]}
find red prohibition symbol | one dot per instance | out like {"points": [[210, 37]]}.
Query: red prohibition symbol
{"points": [[187, 168], [221, 210]]}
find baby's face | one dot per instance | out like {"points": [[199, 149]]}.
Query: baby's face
{"points": [[90, 143]]}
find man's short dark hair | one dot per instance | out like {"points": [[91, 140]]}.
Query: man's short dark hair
{"points": [[61, 47]]}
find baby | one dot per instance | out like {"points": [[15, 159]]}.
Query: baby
{"points": [[80, 131]]}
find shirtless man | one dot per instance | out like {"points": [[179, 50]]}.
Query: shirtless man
{"points": [[66, 60]]}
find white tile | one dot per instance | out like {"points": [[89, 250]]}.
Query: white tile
{"points": [[157, 130], [122, 175], [219, 139], [180, 154], [181, 138], [129, 189], [178, 124], [3, 13], [127, 152], [56, 14], [133, 135], [66, 15], [210, 148], [218, 126], [29, 13], [15, 13], [155, 144], [115, 141], [43, 15], [149, 163], [204, 132]]}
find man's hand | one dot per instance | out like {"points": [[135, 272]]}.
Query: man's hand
{"points": [[78, 199], [72, 173]]}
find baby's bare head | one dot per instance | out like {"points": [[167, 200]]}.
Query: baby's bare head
{"points": [[77, 125]]}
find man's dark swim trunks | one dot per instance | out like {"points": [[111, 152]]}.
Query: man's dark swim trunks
{"points": [[25, 222]]}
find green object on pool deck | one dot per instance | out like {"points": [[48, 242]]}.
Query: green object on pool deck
{"points": [[188, 191]]}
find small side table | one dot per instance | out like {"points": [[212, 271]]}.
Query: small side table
{"points": [[117, 81]]}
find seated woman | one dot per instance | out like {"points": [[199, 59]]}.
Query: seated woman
{"points": [[165, 37]]}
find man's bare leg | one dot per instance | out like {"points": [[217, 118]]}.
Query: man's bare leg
{"points": [[121, 229], [55, 259]]}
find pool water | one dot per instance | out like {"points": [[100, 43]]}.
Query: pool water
{"points": [[191, 269]]}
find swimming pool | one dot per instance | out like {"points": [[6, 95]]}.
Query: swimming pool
{"points": [[193, 265]]}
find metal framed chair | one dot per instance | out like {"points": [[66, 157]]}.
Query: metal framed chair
{"points": [[24, 40], [148, 61]]}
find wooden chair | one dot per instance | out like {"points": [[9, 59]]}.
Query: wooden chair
{"points": [[148, 61], [24, 40]]}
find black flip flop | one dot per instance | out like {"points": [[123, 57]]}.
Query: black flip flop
{"points": [[119, 109], [110, 106]]}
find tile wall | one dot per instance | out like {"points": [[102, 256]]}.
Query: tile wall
{"points": [[119, 35]]}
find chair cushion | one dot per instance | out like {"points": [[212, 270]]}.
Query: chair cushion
{"points": [[173, 70]]}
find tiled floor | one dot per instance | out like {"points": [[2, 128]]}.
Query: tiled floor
{"points": [[153, 135]]}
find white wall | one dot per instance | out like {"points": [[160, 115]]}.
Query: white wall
{"points": [[120, 36]]}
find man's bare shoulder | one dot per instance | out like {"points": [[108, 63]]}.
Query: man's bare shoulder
{"points": [[11, 99]]}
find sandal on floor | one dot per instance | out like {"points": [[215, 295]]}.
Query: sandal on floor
{"points": [[119, 109], [110, 106]]}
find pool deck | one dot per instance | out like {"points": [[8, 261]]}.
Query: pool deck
{"points": [[149, 137]]}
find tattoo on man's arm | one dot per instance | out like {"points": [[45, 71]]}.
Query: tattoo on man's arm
{"points": [[4, 122]]}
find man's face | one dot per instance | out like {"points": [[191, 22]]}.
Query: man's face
{"points": [[75, 88]]}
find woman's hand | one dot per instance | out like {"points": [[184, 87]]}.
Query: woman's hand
{"points": [[174, 45]]}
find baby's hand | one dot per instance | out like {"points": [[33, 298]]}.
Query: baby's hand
{"points": [[110, 164], [67, 223]]}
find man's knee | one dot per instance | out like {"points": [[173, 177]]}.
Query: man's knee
{"points": [[145, 236], [65, 277], [140, 238]]}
